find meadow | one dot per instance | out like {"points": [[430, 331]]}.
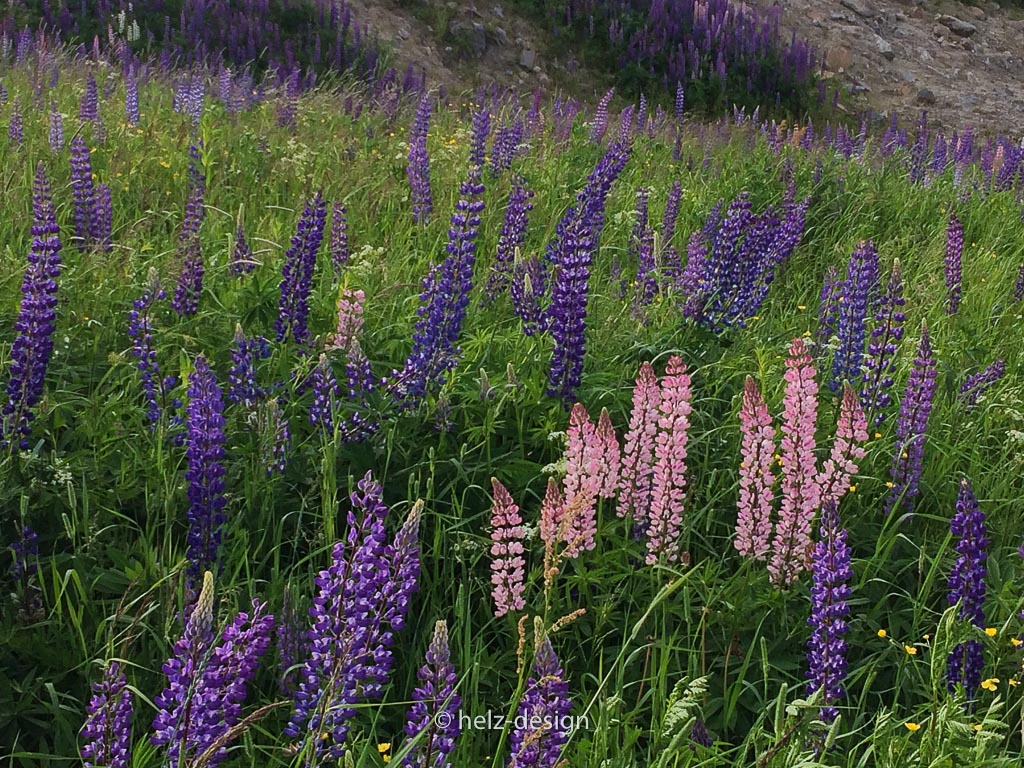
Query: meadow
{"points": [[355, 425]]}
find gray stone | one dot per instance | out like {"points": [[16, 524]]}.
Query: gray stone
{"points": [[885, 48], [528, 59], [958, 26], [478, 39], [859, 7], [926, 96], [975, 12], [499, 12], [500, 36]]}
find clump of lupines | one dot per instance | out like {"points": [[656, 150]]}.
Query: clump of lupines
{"points": [[243, 388], [84, 192], [637, 482], [205, 474], [915, 409], [507, 563], [37, 315], [513, 235], [432, 725], [882, 347], [978, 383], [801, 495], [367, 585], [954, 269], [830, 591], [669, 487], [339, 238], [419, 162], [241, 254], [967, 587], [201, 706], [297, 273], [754, 523], [107, 731], [546, 701], [851, 314]]}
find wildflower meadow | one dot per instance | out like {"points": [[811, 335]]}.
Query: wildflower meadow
{"points": [[347, 421]]}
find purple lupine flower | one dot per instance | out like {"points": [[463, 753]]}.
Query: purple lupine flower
{"points": [[513, 235], [506, 145], [325, 396], [851, 315], [481, 129], [241, 255], [140, 330], [274, 436], [345, 639], [882, 348], [826, 648], [910, 430], [190, 281], [56, 131], [297, 274], [525, 290], [540, 733], [419, 162], [432, 724], [36, 323], [108, 726], [954, 252], [668, 256], [104, 218], [642, 246], [967, 587], [828, 307], [680, 101], [84, 193], [206, 683], [16, 128], [978, 383], [131, 100], [243, 388], [88, 109], [205, 474], [291, 645], [23, 555], [600, 125], [339, 238], [1018, 288], [444, 300]]}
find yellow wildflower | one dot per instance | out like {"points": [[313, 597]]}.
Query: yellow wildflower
{"points": [[991, 631], [1016, 642], [883, 634], [991, 684], [910, 650], [912, 727], [384, 747], [165, 164], [801, 307]]}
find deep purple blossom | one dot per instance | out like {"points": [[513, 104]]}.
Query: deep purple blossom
{"points": [[967, 587], [56, 135], [140, 330], [241, 254], [16, 127], [830, 591], [978, 383], [23, 554], [954, 253], [325, 397], [297, 274], [641, 247], [243, 388], [107, 731], [882, 348], [88, 109], [339, 238], [205, 474], [37, 316], [131, 99], [546, 702], [851, 315], [190, 281], [432, 725], [419, 162], [83, 191], [513, 235]]}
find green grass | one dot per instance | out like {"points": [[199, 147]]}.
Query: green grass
{"points": [[112, 523]]}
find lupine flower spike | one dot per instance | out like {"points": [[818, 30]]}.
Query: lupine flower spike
{"points": [[637, 483], [669, 490], [967, 587], [754, 523], [954, 254], [432, 724], [847, 450], [546, 701], [583, 481], [507, 563], [108, 727]]}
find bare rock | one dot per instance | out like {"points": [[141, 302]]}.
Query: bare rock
{"points": [[926, 96], [859, 7], [885, 48], [528, 59], [975, 12], [957, 26]]}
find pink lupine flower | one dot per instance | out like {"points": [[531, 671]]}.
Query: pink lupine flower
{"points": [[350, 323], [637, 480], [847, 450], [670, 466], [551, 511], [754, 523], [583, 481], [611, 455], [507, 563], [801, 496]]}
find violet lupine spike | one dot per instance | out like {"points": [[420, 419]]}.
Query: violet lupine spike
{"points": [[978, 383], [325, 397], [954, 268], [432, 724], [190, 281], [205, 474], [88, 109], [131, 100], [207, 683], [599, 127], [642, 246], [56, 134], [297, 273], [513, 235], [882, 348], [104, 218], [243, 388], [851, 315], [507, 563], [1018, 287], [637, 483], [275, 436], [540, 734], [419, 162], [830, 593], [241, 254], [24, 551], [801, 495], [583, 482], [525, 289], [84, 192], [915, 409], [669, 491], [754, 521], [828, 309], [967, 587], [140, 330], [568, 310], [107, 731], [668, 256], [339, 238], [847, 450], [37, 315], [481, 129], [16, 127], [290, 641]]}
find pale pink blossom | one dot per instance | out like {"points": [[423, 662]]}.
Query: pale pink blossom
{"points": [[583, 481], [637, 480], [611, 455], [847, 450], [754, 522], [669, 491], [507, 563]]}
